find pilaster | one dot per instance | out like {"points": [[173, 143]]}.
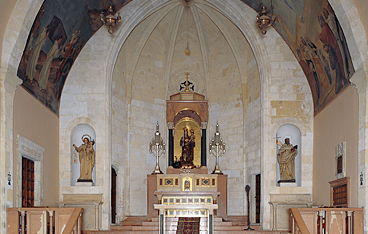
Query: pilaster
{"points": [[8, 84], [360, 81]]}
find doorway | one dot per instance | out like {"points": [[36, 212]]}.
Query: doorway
{"points": [[28, 179], [113, 195]]}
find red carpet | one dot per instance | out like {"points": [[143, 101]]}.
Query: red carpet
{"points": [[187, 225]]}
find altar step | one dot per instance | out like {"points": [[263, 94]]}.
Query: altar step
{"points": [[141, 225]]}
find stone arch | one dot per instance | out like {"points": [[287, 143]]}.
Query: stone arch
{"points": [[187, 113], [346, 12], [359, 54], [289, 120], [22, 17], [12, 49], [229, 9]]}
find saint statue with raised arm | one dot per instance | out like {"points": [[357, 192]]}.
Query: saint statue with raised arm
{"points": [[286, 160]]}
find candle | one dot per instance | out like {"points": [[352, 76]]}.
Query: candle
{"points": [[217, 137], [157, 138]]}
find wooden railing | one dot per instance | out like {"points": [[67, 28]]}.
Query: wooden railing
{"points": [[326, 220], [44, 220]]}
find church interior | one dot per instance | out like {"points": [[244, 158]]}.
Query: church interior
{"points": [[247, 112]]}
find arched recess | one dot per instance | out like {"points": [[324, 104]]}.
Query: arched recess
{"points": [[293, 134], [187, 113], [232, 10], [296, 129], [245, 27], [78, 134]]}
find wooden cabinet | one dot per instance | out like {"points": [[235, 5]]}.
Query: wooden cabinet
{"points": [[340, 192]]}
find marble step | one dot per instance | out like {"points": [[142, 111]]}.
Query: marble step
{"points": [[120, 232], [134, 220], [174, 232], [141, 225], [135, 228]]}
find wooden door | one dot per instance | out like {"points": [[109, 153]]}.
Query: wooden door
{"points": [[27, 182], [113, 195], [258, 198]]}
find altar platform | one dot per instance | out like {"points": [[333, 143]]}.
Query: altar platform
{"points": [[186, 187]]}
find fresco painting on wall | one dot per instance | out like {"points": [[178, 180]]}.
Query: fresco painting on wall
{"points": [[62, 27], [318, 43], [58, 34]]}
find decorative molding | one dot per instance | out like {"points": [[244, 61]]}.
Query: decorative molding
{"points": [[29, 149]]}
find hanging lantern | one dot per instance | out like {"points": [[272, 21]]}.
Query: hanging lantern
{"points": [[110, 20], [265, 19]]}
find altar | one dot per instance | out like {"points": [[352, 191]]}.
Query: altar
{"points": [[187, 189], [184, 193]]}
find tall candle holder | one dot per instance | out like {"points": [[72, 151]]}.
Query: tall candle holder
{"points": [[157, 146], [217, 147]]}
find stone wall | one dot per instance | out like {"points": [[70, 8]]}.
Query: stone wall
{"points": [[86, 97]]}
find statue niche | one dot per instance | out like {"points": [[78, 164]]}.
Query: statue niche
{"points": [[187, 116], [187, 143], [83, 155], [86, 158]]}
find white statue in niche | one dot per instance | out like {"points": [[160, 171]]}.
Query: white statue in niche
{"points": [[86, 158], [286, 160]]}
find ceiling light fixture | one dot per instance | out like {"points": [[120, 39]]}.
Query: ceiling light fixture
{"points": [[110, 20], [187, 50], [265, 19]]}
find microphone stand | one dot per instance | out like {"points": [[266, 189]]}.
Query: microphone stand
{"points": [[247, 189]]}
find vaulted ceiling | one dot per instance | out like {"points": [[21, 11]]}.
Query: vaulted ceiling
{"points": [[63, 27]]}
